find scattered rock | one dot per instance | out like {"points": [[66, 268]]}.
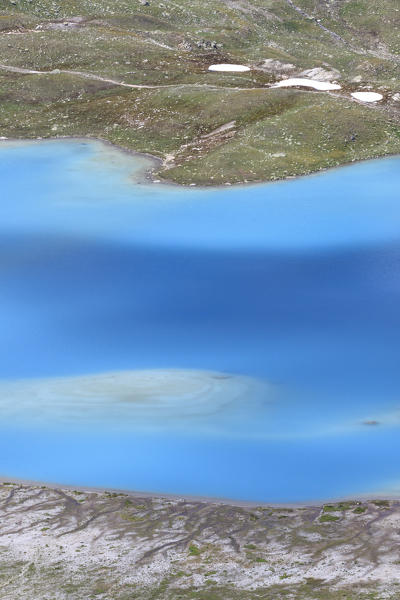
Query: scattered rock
{"points": [[208, 45], [222, 129], [321, 74], [185, 45], [276, 66]]}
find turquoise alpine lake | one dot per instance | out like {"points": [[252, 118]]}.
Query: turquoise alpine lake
{"points": [[238, 342]]}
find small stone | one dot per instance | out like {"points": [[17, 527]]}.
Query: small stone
{"points": [[186, 46]]}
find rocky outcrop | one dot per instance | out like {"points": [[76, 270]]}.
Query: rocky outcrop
{"points": [[321, 74]]}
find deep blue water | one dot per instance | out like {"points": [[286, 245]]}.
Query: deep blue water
{"points": [[295, 284]]}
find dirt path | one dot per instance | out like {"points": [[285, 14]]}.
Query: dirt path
{"points": [[211, 87], [86, 75]]}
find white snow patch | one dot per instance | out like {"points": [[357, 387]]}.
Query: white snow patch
{"points": [[229, 68], [324, 86], [367, 96]]}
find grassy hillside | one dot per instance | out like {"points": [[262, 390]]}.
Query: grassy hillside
{"points": [[272, 133]]}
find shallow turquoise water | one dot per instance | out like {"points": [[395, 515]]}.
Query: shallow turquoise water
{"points": [[292, 289]]}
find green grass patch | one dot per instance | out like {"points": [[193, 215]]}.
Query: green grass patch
{"points": [[194, 550], [328, 518]]}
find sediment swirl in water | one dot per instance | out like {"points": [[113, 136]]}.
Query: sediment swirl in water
{"points": [[129, 398]]}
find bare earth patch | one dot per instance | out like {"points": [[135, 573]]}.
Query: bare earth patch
{"points": [[63, 543]]}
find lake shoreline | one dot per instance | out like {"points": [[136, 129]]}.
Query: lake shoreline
{"points": [[152, 176], [187, 498]]}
